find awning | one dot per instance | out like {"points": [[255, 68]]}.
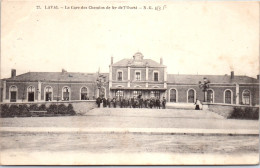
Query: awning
{"points": [[136, 88]]}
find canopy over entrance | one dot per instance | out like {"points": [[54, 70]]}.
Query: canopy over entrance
{"points": [[137, 88]]}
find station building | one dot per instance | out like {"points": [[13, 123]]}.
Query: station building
{"points": [[128, 78]]}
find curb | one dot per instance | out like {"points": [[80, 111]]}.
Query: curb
{"points": [[146, 131]]}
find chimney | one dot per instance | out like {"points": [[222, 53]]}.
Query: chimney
{"points": [[258, 77], [232, 74], [13, 73], [112, 60], [161, 60]]}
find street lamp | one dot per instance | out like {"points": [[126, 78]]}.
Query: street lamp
{"points": [[204, 86], [100, 82]]}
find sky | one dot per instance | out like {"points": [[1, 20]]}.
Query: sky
{"points": [[211, 38]]}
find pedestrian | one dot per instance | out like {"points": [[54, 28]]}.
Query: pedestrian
{"points": [[101, 103], [164, 103], [128, 102], [197, 103], [141, 102], [151, 103], [157, 103], [120, 103], [108, 102], [123, 103], [104, 102], [145, 103], [98, 101], [132, 102], [114, 102]]}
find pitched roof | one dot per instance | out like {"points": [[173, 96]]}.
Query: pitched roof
{"points": [[142, 63], [57, 76], [194, 79], [91, 77]]}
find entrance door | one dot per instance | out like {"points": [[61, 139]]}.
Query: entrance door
{"points": [[13, 93], [246, 97], [31, 96], [48, 96], [13, 97], [228, 97], [48, 93], [155, 94], [119, 94], [191, 97], [173, 95], [31, 90], [210, 96]]}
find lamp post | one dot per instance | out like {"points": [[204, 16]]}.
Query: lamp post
{"points": [[204, 86], [100, 82]]}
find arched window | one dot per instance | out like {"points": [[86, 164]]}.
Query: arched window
{"points": [[228, 96], [191, 96], [246, 97], [13, 94], [48, 93], [173, 95], [84, 93], [31, 93], [119, 94], [210, 96], [66, 93]]}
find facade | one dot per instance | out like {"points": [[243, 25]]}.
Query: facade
{"points": [[137, 76], [129, 78]]}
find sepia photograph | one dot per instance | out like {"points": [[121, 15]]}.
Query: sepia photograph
{"points": [[129, 82]]}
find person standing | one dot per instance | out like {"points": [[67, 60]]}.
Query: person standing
{"points": [[128, 102], [145, 103], [114, 102], [101, 103], [123, 103], [157, 103], [104, 102], [98, 101], [133, 102], [141, 102], [197, 103], [164, 103], [108, 102], [151, 103]]}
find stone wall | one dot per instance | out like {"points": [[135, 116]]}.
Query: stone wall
{"points": [[224, 110], [218, 90], [80, 107]]}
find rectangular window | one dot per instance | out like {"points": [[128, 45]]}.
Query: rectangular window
{"points": [[137, 93], [155, 94], [119, 77], [119, 94], [155, 76], [138, 76]]}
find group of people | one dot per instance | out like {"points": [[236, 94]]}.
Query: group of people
{"points": [[134, 102]]}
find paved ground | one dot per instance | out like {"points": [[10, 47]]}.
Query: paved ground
{"points": [[128, 143], [79, 138], [137, 118]]}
